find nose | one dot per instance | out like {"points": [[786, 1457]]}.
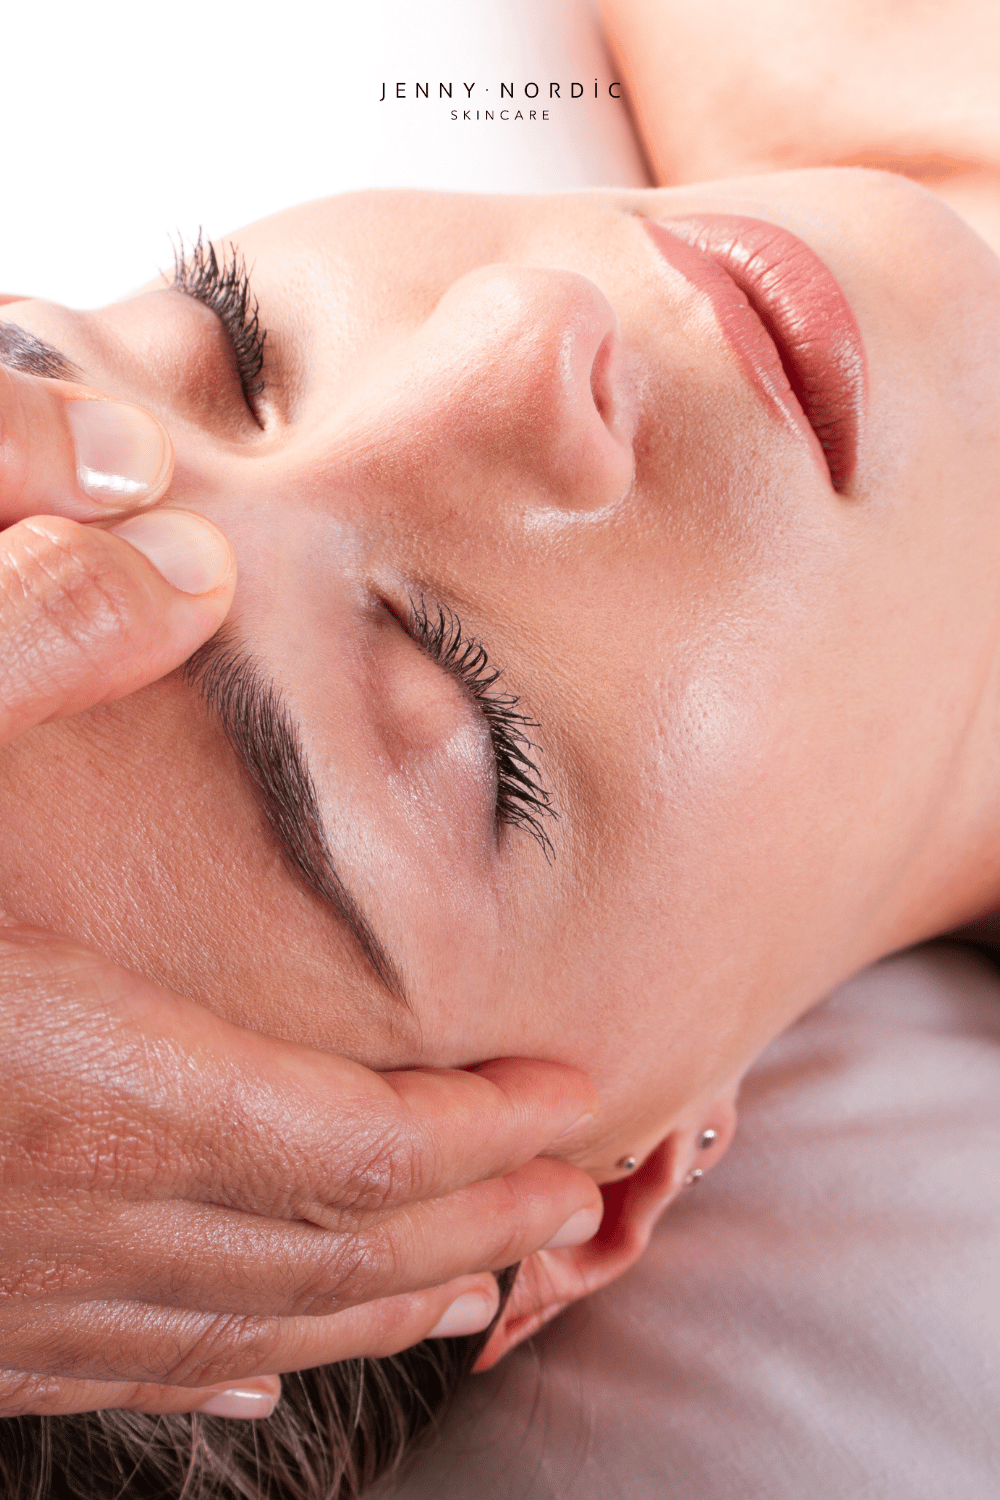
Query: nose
{"points": [[517, 389]]}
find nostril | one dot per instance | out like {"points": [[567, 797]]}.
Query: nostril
{"points": [[601, 382], [539, 379]]}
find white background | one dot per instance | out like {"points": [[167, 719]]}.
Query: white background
{"points": [[123, 122]]}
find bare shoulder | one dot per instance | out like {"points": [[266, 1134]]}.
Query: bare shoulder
{"points": [[726, 89]]}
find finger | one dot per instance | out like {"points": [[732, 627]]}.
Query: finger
{"points": [[489, 1119], [337, 1138], [350, 1140], [24, 1393], [314, 1136], [221, 1262], [210, 1119], [248, 1122], [67, 450], [87, 615], [133, 1343]]}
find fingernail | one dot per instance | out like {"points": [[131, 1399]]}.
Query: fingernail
{"points": [[123, 454], [577, 1230], [241, 1403], [470, 1313], [189, 551]]}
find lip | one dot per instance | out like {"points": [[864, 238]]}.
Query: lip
{"points": [[787, 319]]}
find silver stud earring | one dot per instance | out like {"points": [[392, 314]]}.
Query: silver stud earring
{"points": [[626, 1163], [707, 1138], [693, 1177]]}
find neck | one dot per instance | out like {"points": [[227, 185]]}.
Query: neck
{"points": [[952, 882]]}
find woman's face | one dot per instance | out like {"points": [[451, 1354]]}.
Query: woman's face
{"points": [[761, 703]]}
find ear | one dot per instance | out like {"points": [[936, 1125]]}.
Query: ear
{"points": [[551, 1279]]}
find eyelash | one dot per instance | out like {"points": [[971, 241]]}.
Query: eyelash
{"points": [[522, 801], [224, 288]]}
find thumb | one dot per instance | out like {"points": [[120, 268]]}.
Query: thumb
{"points": [[88, 615], [69, 451]]}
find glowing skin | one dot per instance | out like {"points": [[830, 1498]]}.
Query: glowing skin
{"points": [[767, 710]]}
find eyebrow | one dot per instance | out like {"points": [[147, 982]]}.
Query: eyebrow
{"points": [[265, 739], [255, 721], [21, 350]]}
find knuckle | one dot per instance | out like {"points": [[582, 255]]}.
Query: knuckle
{"points": [[267, 1173], [372, 1174], [387, 1173], [219, 1345], [507, 1223], [25, 1394], [56, 589], [139, 1396], [35, 1279], [353, 1270], [61, 565], [14, 447]]}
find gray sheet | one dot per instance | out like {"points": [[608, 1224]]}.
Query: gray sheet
{"points": [[820, 1319]]}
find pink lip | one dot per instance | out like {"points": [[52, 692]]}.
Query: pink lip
{"points": [[788, 321]]}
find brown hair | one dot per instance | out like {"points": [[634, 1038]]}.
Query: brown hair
{"points": [[334, 1432]]}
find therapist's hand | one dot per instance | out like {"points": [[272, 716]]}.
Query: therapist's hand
{"points": [[187, 1207]]}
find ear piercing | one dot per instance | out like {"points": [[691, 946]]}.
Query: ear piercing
{"points": [[706, 1141]]}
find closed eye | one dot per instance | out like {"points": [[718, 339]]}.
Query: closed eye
{"points": [[224, 288], [522, 800]]}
